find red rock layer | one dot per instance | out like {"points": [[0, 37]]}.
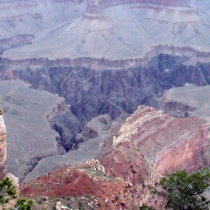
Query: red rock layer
{"points": [[150, 144], [84, 180], [157, 135]]}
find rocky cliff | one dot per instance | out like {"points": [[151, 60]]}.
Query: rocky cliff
{"points": [[93, 87], [27, 114], [109, 69], [147, 146], [100, 86], [3, 146], [151, 144]]}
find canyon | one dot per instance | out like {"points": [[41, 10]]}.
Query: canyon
{"points": [[149, 143], [107, 29], [73, 74], [27, 114], [189, 100], [93, 87]]}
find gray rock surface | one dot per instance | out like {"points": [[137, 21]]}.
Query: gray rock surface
{"points": [[87, 146], [190, 100], [29, 137]]}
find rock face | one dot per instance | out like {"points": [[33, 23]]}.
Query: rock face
{"points": [[175, 3], [27, 113], [21, 20], [109, 69], [190, 100], [95, 87], [151, 144], [103, 28], [3, 147], [148, 145], [85, 147]]}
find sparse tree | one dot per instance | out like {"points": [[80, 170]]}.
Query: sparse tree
{"points": [[8, 192], [23, 204], [183, 191]]}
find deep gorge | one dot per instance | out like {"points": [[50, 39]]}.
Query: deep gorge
{"points": [[91, 92]]}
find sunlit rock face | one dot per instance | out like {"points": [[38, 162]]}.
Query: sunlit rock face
{"points": [[3, 146], [164, 139]]}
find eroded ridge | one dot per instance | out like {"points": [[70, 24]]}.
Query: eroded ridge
{"points": [[161, 137]]}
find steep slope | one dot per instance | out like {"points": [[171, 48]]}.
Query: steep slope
{"points": [[20, 21], [85, 186], [151, 144], [86, 145], [147, 146], [137, 50], [190, 100], [27, 115], [94, 87], [120, 30]]}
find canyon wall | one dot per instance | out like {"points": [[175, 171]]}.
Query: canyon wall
{"points": [[148, 145], [27, 113], [94, 87], [151, 144], [189, 100]]}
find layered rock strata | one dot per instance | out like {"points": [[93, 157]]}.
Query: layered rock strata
{"points": [[151, 144], [148, 145], [3, 146], [103, 29], [94, 92], [94, 87], [173, 3]]}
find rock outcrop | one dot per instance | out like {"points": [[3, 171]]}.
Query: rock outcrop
{"points": [[94, 87], [148, 145], [151, 144], [85, 184], [3, 146], [85, 147]]}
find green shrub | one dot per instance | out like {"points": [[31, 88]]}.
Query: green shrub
{"points": [[183, 191]]}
